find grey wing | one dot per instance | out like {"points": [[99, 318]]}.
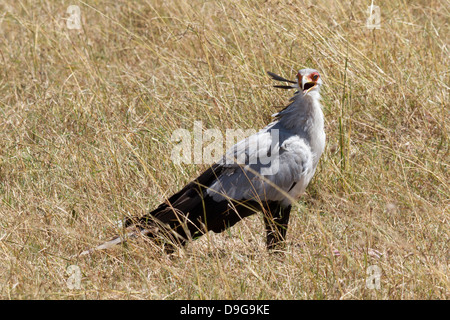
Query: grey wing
{"points": [[263, 167]]}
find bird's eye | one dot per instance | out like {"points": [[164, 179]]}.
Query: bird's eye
{"points": [[315, 77]]}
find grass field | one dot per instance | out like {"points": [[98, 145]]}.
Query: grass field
{"points": [[87, 116]]}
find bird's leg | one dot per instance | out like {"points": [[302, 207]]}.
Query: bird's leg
{"points": [[276, 220]]}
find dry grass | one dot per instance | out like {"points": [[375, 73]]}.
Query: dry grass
{"points": [[86, 118]]}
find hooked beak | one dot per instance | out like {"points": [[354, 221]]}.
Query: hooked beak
{"points": [[308, 84]]}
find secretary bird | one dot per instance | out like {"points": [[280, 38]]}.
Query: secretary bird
{"points": [[266, 172]]}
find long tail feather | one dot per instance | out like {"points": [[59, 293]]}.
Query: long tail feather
{"points": [[116, 240]]}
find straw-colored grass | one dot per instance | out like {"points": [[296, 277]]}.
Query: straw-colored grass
{"points": [[86, 119]]}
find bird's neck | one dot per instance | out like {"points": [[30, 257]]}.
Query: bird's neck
{"points": [[304, 117], [303, 114]]}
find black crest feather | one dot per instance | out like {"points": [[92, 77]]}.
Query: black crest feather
{"points": [[278, 78]]}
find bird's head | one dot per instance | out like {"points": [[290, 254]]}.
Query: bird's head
{"points": [[308, 81]]}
